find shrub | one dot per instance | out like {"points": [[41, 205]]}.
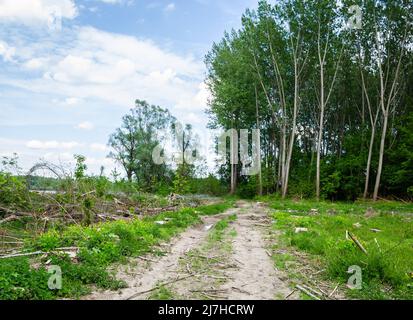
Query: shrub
{"points": [[13, 190]]}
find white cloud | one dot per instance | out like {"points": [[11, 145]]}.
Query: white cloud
{"points": [[29, 12], [117, 69], [46, 145], [72, 101], [170, 7], [34, 64], [85, 126], [6, 51]]}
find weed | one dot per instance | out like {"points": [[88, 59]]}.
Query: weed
{"points": [[99, 246], [162, 293], [387, 238]]}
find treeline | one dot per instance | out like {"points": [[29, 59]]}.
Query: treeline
{"points": [[145, 129], [330, 86]]}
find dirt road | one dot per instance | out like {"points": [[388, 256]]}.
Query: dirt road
{"points": [[203, 263]]}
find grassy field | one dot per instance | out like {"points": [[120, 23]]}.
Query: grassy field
{"points": [[384, 230], [99, 246]]}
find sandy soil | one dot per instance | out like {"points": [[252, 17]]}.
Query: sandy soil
{"points": [[248, 271], [256, 277]]}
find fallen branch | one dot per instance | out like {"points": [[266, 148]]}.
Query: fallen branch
{"points": [[359, 245], [210, 291], [22, 255], [334, 291], [9, 219], [10, 237], [289, 295], [6, 210], [158, 287], [320, 294], [307, 292], [88, 193], [241, 291], [212, 296], [146, 259], [12, 242], [261, 225]]}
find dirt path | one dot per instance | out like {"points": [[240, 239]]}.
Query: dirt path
{"points": [[256, 275], [242, 271], [144, 274]]}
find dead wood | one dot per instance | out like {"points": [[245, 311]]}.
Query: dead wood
{"points": [[307, 292], [359, 245], [9, 219], [22, 255], [289, 295], [159, 286], [146, 259]]}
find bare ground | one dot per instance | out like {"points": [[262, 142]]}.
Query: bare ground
{"points": [[238, 266], [256, 276]]}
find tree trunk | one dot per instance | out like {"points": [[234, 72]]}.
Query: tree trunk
{"points": [[320, 133], [292, 137], [232, 180], [381, 156], [366, 187], [283, 153], [258, 127]]}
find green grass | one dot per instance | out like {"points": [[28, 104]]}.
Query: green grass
{"points": [[162, 294], [388, 266], [218, 233], [100, 246], [215, 208]]}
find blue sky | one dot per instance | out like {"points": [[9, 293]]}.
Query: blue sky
{"points": [[65, 86]]}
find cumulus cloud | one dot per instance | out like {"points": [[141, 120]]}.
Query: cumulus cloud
{"points": [[29, 12], [117, 69], [87, 67]]}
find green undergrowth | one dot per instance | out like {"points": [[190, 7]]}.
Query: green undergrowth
{"points": [[99, 246], [386, 234], [162, 294]]}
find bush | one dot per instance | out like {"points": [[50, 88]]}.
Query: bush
{"points": [[13, 190], [248, 189]]}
